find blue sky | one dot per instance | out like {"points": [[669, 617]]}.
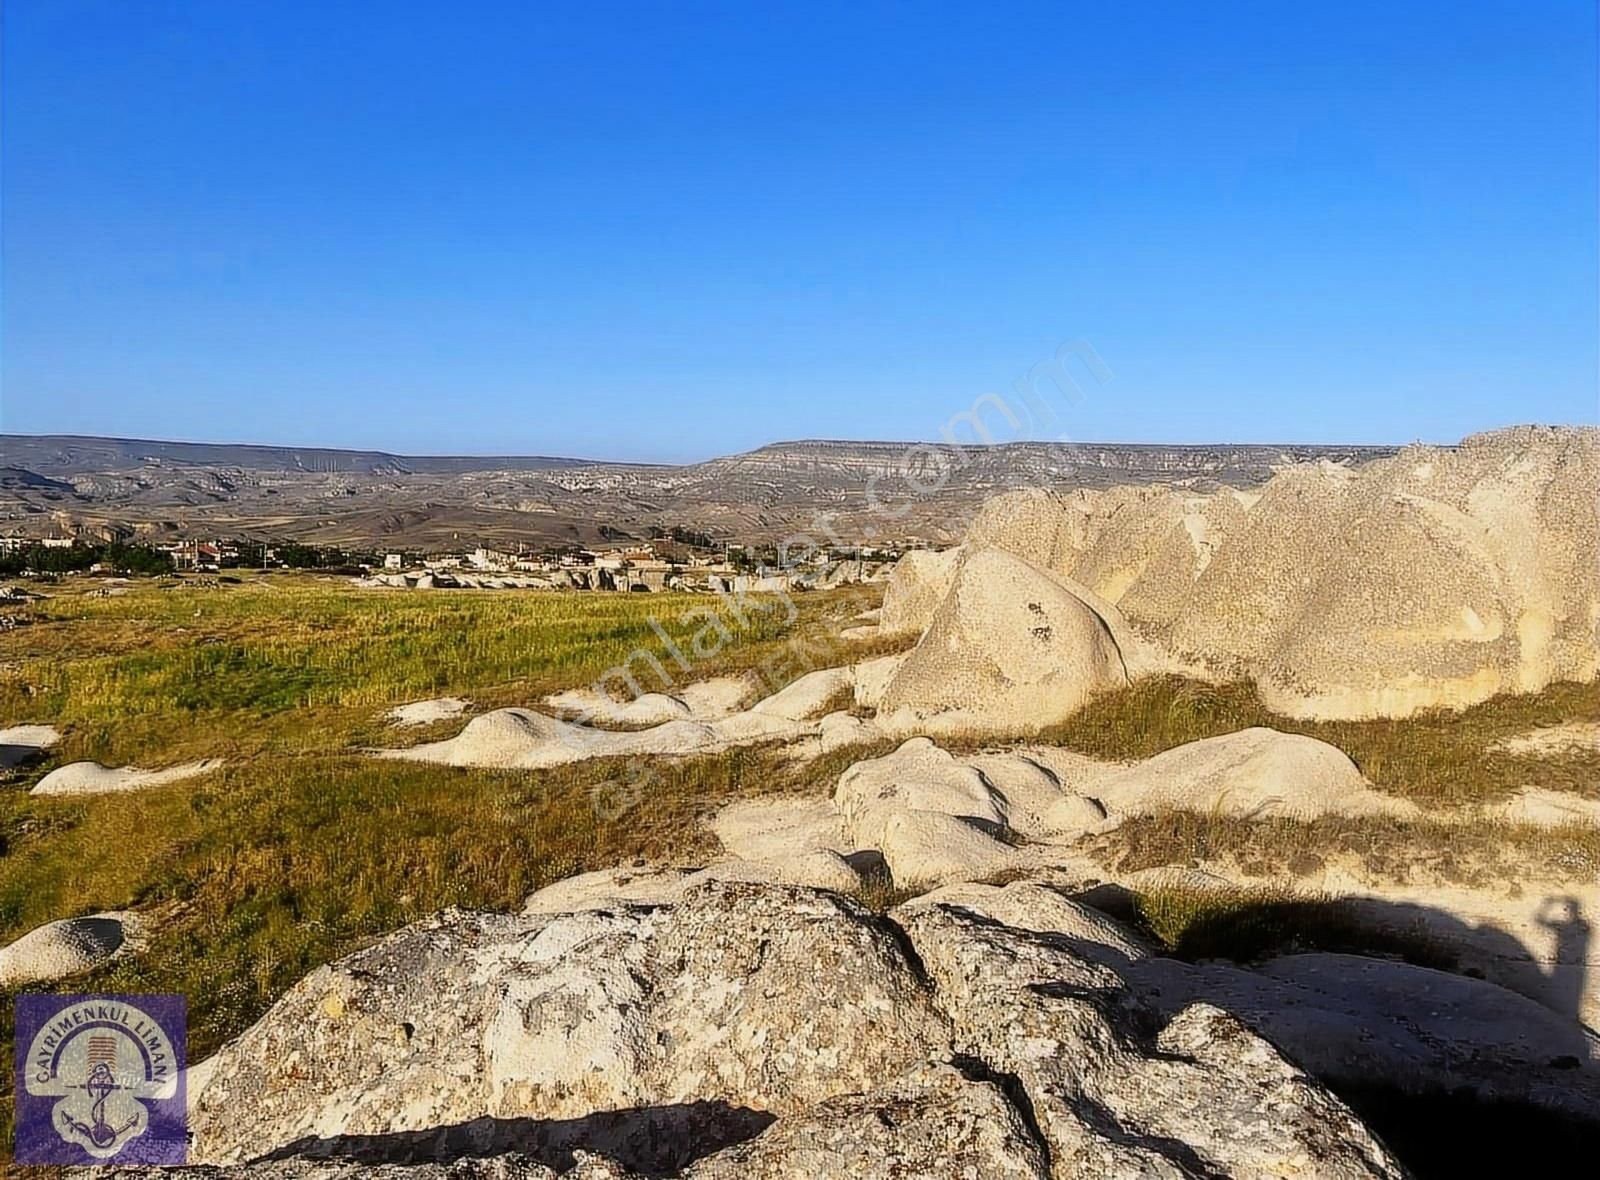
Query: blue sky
{"points": [[666, 231]]}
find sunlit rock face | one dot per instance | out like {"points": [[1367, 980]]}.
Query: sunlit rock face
{"points": [[1436, 577], [768, 1031]]}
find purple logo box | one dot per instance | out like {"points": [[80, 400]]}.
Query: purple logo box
{"points": [[100, 1080]]}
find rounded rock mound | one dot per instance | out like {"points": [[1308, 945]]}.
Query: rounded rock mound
{"points": [[1010, 650], [1255, 773], [91, 778], [651, 708], [524, 739], [62, 949], [918, 776]]}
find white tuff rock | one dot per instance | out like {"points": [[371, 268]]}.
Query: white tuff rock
{"points": [[1253, 774], [1009, 651], [22, 742], [766, 1032], [91, 778], [427, 712], [1437, 577], [62, 949]]}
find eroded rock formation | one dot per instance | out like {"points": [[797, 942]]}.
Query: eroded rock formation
{"points": [[1436, 577], [767, 1031]]}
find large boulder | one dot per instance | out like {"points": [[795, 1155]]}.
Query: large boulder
{"points": [[1010, 650], [762, 1032], [758, 997]]}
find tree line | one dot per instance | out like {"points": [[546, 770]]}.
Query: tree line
{"points": [[79, 557], [141, 559]]}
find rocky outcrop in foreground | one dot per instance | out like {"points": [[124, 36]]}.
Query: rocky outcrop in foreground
{"points": [[761, 1031]]}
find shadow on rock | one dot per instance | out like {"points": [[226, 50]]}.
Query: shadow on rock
{"points": [[1232, 925], [655, 1141], [1454, 1136], [1365, 993]]}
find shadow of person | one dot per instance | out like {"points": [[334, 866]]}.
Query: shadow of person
{"points": [[1443, 1034], [1569, 966], [1356, 988]]}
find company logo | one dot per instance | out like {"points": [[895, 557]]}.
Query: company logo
{"points": [[100, 1080]]}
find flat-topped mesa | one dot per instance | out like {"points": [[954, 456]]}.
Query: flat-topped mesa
{"points": [[1437, 577]]}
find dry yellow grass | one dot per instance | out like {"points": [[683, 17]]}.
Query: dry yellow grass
{"points": [[1474, 853], [300, 849]]}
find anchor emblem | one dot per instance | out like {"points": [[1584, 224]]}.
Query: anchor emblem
{"points": [[104, 1067]]}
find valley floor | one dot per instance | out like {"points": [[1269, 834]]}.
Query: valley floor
{"points": [[294, 848]]}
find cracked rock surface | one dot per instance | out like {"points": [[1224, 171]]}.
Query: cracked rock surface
{"points": [[761, 1030]]}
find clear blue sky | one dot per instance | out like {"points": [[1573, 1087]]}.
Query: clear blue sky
{"points": [[673, 230]]}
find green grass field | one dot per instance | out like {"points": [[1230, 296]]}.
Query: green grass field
{"points": [[296, 664], [300, 848]]}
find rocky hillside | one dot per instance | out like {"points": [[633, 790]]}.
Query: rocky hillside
{"points": [[63, 484], [948, 962], [70, 454], [1437, 577]]}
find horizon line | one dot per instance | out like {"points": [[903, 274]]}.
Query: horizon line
{"points": [[814, 441]]}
